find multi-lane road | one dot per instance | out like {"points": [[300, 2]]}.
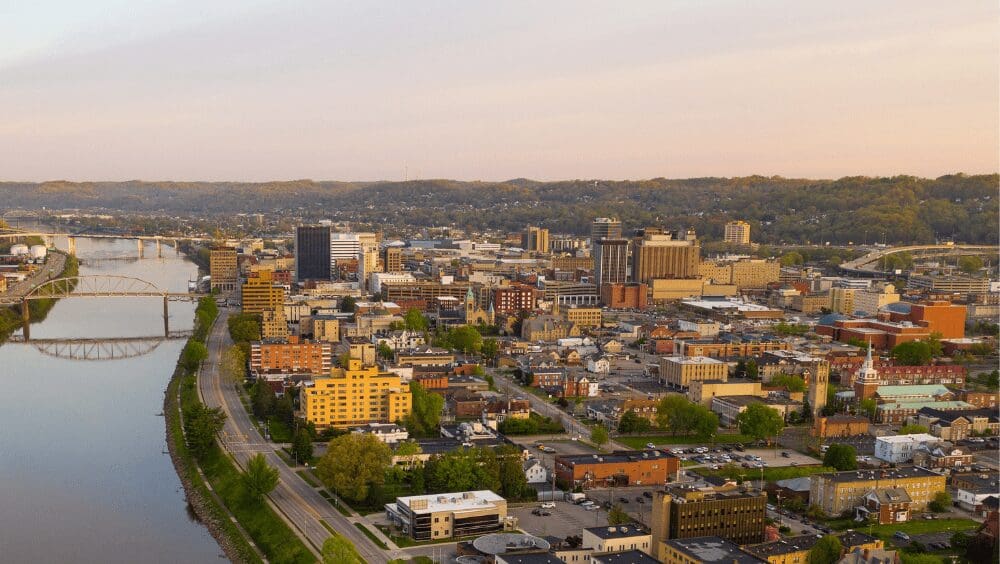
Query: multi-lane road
{"points": [[300, 503]]}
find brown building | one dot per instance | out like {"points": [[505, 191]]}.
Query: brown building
{"points": [[978, 399], [942, 317], [657, 254], [535, 239], [514, 298], [426, 292], [625, 296], [886, 506], [732, 349], [620, 468], [260, 293], [683, 512], [392, 259], [840, 426], [292, 357], [938, 456], [223, 269]]}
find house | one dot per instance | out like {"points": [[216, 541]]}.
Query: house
{"points": [[974, 491], [535, 472], [886, 505], [899, 448], [600, 365], [942, 455]]}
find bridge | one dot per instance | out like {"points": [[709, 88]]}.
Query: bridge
{"points": [[95, 286], [100, 349], [71, 238], [867, 265]]}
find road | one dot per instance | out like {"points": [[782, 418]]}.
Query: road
{"points": [[53, 266], [301, 504]]}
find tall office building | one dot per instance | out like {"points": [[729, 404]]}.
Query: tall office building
{"points": [[611, 261], [223, 269], [535, 239], [605, 228], [392, 259], [344, 246], [312, 252], [738, 233], [368, 255], [659, 254]]}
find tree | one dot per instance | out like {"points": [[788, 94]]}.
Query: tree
{"points": [[941, 502], [490, 349], [841, 456], [791, 259], [912, 429], [192, 355], [414, 320], [913, 353], [302, 446], [753, 371], [244, 327], [825, 551], [259, 478], [354, 463], [348, 304], [284, 409], [201, 425], [465, 339], [618, 516], [970, 264], [868, 407], [760, 422], [234, 364], [790, 382], [262, 399], [384, 351], [510, 471], [599, 435], [425, 411], [338, 550], [631, 422]]}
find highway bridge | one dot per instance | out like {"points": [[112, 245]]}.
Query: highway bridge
{"points": [[868, 265]]}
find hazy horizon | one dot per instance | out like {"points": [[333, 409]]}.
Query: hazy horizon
{"points": [[355, 92]]}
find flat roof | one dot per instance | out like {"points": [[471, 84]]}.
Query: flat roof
{"points": [[457, 501], [712, 550], [627, 557], [872, 475], [617, 531], [692, 360], [615, 457]]}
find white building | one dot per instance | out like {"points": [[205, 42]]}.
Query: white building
{"points": [[895, 449], [379, 278], [599, 365], [401, 340], [534, 472], [388, 433]]}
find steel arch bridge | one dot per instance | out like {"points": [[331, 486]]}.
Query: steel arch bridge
{"points": [[97, 349]]}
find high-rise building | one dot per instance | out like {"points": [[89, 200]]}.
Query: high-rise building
{"points": [[683, 512], [656, 254], [344, 246], [392, 259], [535, 239], [260, 294], [357, 395], [312, 252], [738, 233], [601, 229], [368, 255], [611, 261], [223, 269]]}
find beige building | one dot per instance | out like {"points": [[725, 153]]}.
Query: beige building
{"points": [[744, 273], [674, 289], [535, 239], [680, 371], [702, 391], [223, 269], [361, 348], [658, 254], [357, 395], [261, 294], [842, 300], [837, 492], [272, 324], [811, 303], [617, 538], [869, 301], [583, 317], [325, 328], [450, 515], [737, 233]]}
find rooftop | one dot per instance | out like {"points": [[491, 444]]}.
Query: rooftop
{"points": [[617, 531], [627, 557], [691, 360], [912, 438], [873, 475], [712, 550], [457, 501], [615, 457]]}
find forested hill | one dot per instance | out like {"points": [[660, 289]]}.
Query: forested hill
{"points": [[904, 208]]}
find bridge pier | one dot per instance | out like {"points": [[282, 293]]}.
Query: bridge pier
{"points": [[25, 319], [166, 318], [141, 248], [159, 248], [177, 248], [71, 245]]}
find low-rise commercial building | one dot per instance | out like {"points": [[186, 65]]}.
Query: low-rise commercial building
{"points": [[619, 468], [680, 371], [451, 515], [840, 426], [895, 449], [730, 407], [702, 391], [795, 550], [617, 538], [704, 550]]}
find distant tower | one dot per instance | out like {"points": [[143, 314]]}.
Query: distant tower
{"points": [[491, 314], [470, 306], [867, 382]]}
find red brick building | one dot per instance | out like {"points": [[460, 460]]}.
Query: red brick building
{"points": [[624, 296], [620, 468], [889, 374], [514, 298]]}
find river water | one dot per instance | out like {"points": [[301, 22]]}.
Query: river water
{"points": [[83, 472]]}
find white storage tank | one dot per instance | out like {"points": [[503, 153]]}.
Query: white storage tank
{"points": [[19, 249], [38, 251]]}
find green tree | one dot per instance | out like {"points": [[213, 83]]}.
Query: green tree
{"points": [[510, 471], [234, 364], [384, 351], [262, 399], [791, 259], [760, 422], [826, 551], [244, 327], [259, 478], [414, 320], [302, 446], [941, 502], [353, 464], [913, 353], [841, 456], [970, 264], [490, 349], [618, 516], [284, 409], [753, 370], [912, 429], [599, 435], [631, 422], [425, 411], [192, 355], [201, 425], [790, 382], [465, 339], [338, 550], [868, 407], [348, 304]]}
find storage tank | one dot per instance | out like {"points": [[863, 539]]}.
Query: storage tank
{"points": [[19, 249], [38, 251]]}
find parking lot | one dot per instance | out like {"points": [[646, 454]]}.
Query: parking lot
{"points": [[565, 519], [770, 457], [637, 500]]}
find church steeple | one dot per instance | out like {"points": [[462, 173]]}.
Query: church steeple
{"points": [[868, 372]]}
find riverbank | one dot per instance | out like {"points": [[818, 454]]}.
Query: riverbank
{"points": [[10, 317], [203, 502]]}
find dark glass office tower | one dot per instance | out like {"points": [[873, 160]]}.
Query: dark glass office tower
{"points": [[312, 252]]}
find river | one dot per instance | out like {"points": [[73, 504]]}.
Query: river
{"points": [[83, 468]]}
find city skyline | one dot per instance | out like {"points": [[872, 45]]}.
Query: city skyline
{"points": [[262, 91]]}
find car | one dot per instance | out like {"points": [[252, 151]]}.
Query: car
{"points": [[901, 535], [740, 447], [536, 511], [650, 445], [640, 500], [794, 464], [785, 455], [623, 499], [715, 467], [926, 516], [727, 449], [549, 505], [545, 513], [647, 494], [769, 507]]}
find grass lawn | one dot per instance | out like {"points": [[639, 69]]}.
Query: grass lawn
{"points": [[309, 478], [639, 442], [280, 433], [921, 526], [405, 541], [371, 536], [770, 474]]}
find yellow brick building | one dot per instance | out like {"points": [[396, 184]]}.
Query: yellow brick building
{"points": [[260, 294], [837, 492], [583, 317], [356, 396]]}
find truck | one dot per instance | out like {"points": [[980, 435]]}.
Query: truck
{"points": [[575, 497]]}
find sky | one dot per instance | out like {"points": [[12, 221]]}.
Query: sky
{"points": [[253, 90]]}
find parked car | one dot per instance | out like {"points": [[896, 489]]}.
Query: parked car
{"points": [[623, 499], [647, 494], [784, 454], [650, 445], [901, 535], [549, 505]]}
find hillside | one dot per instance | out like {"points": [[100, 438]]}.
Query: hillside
{"points": [[904, 208]]}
